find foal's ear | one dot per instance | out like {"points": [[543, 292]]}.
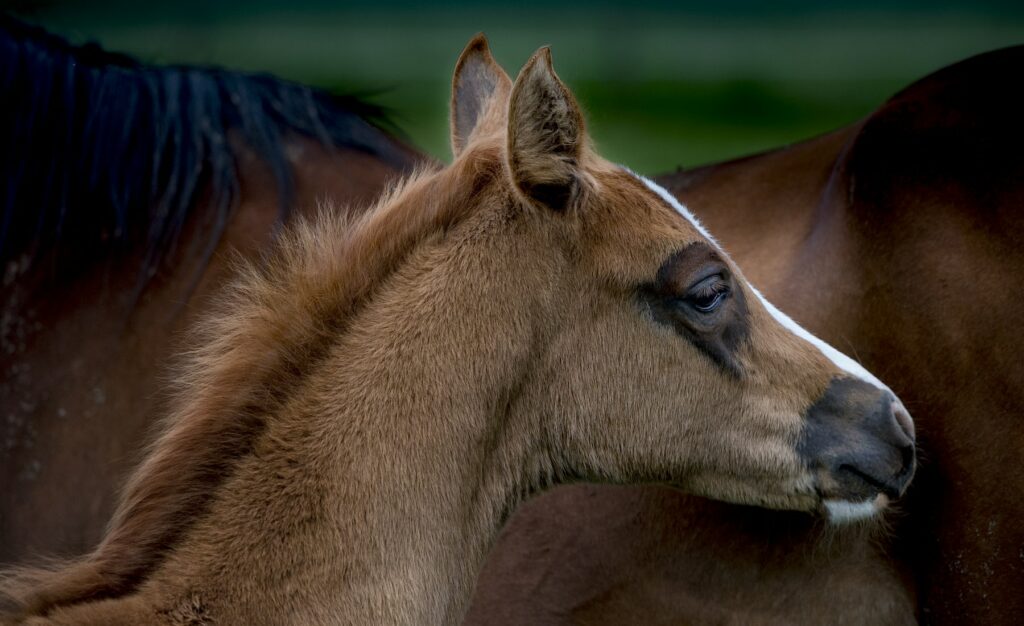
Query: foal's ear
{"points": [[479, 91], [545, 134]]}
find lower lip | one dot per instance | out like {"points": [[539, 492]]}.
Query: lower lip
{"points": [[845, 512]]}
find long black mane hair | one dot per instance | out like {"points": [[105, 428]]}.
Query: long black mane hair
{"points": [[98, 150]]}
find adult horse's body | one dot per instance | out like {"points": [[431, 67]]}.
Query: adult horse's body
{"points": [[900, 238], [366, 409], [127, 192]]}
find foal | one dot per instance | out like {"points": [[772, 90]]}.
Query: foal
{"points": [[367, 411]]}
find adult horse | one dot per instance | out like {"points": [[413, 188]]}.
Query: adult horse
{"points": [[367, 409], [127, 191], [900, 238]]}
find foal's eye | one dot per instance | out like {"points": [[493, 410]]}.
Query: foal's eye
{"points": [[707, 295]]}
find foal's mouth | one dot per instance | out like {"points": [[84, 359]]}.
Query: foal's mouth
{"points": [[851, 511]]}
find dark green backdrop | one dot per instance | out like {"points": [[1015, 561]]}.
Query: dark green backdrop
{"points": [[664, 83]]}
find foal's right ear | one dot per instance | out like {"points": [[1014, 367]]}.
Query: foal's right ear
{"points": [[480, 90]]}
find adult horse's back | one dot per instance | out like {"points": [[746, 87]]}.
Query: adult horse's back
{"points": [[900, 239], [127, 191]]}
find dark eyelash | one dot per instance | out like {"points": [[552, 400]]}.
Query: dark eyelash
{"points": [[710, 289]]}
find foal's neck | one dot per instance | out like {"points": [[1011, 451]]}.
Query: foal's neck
{"points": [[435, 449]]}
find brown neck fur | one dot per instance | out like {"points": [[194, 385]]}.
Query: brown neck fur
{"points": [[270, 330]]}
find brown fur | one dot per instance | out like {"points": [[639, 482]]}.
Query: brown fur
{"points": [[364, 414]]}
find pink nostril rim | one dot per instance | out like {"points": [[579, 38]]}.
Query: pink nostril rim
{"points": [[903, 418]]}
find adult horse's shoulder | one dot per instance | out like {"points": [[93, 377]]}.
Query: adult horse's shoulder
{"points": [[953, 137]]}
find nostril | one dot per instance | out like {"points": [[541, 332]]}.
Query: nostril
{"points": [[903, 418], [909, 461], [908, 453]]}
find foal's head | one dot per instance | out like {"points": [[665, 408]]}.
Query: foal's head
{"points": [[660, 362]]}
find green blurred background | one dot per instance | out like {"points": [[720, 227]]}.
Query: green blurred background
{"points": [[665, 84]]}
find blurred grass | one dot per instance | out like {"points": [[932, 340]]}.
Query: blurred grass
{"points": [[663, 87]]}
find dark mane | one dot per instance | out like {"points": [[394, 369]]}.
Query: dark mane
{"points": [[101, 151]]}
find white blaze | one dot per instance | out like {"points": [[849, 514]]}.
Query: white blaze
{"points": [[841, 361]]}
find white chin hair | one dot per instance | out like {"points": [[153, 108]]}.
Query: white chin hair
{"points": [[845, 512]]}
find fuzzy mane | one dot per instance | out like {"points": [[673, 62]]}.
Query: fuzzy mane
{"points": [[275, 324], [102, 152]]}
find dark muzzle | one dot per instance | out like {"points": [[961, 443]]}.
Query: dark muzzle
{"points": [[859, 441]]}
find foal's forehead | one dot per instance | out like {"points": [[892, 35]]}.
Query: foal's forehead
{"points": [[639, 229], [689, 226], [671, 201]]}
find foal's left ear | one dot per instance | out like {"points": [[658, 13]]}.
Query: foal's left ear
{"points": [[479, 91], [545, 134]]}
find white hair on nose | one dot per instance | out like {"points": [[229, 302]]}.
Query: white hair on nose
{"points": [[845, 512]]}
